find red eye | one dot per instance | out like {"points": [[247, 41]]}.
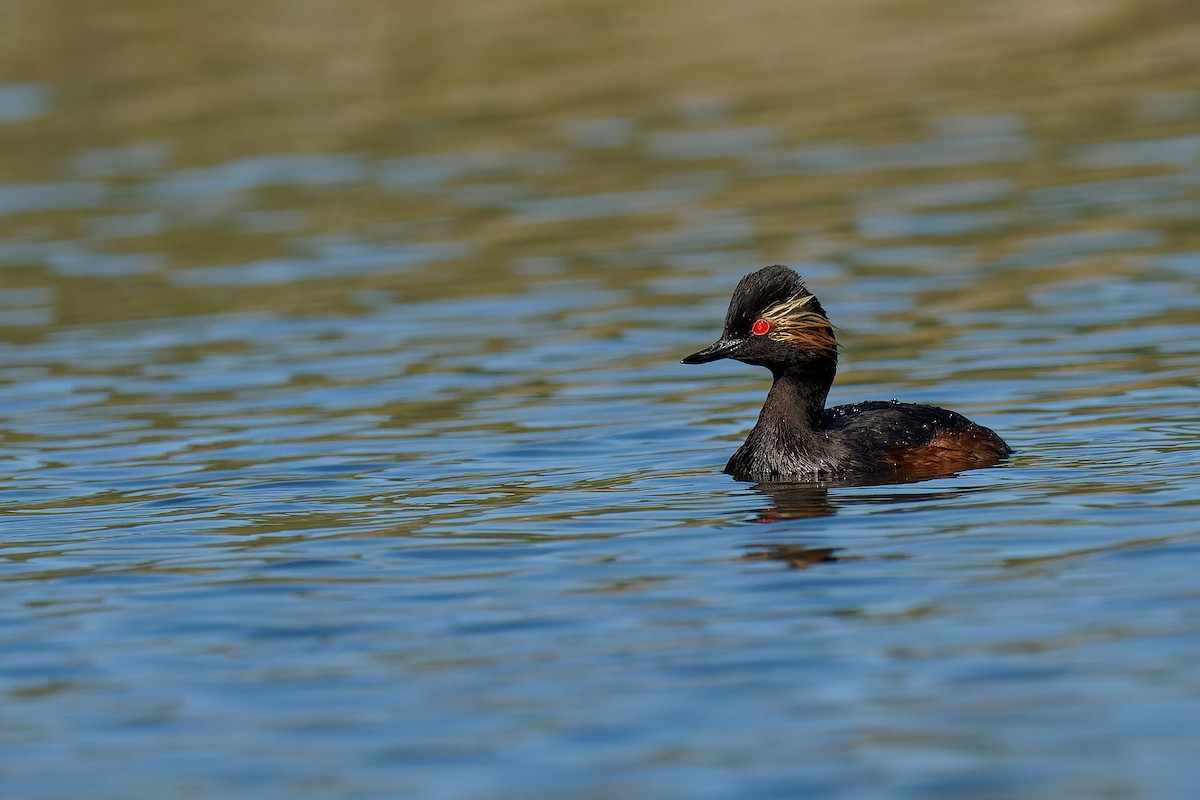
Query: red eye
{"points": [[760, 327]]}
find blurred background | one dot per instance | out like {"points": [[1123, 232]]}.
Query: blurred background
{"points": [[144, 144], [347, 452]]}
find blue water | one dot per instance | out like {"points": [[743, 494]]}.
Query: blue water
{"points": [[419, 502]]}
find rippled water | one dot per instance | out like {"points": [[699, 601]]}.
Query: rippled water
{"points": [[375, 474]]}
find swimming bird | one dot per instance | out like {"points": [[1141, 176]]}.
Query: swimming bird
{"points": [[774, 321]]}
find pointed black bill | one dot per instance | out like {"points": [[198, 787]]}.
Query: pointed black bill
{"points": [[722, 348]]}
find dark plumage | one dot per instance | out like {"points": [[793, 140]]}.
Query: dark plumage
{"points": [[775, 322]]}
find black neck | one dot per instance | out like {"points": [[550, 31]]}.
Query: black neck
{"points": [[797, 399]]}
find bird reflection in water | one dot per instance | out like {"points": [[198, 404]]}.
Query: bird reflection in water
{"points": [[794, 501], [796, 556]]}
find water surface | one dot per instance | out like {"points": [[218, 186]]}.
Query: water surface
{"points": [[366, 468]]}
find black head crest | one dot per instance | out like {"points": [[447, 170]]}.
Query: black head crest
{"points": [[770, 288]]}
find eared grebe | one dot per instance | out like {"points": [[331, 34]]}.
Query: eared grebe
{"points": [[775, 322]]}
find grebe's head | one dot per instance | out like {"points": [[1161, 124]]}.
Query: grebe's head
{"points": [[773, 321]]}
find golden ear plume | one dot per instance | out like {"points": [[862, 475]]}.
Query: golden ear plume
{"points": [[792, 322]]}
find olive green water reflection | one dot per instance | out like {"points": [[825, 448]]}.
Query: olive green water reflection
{"points": [[347, 453]]}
